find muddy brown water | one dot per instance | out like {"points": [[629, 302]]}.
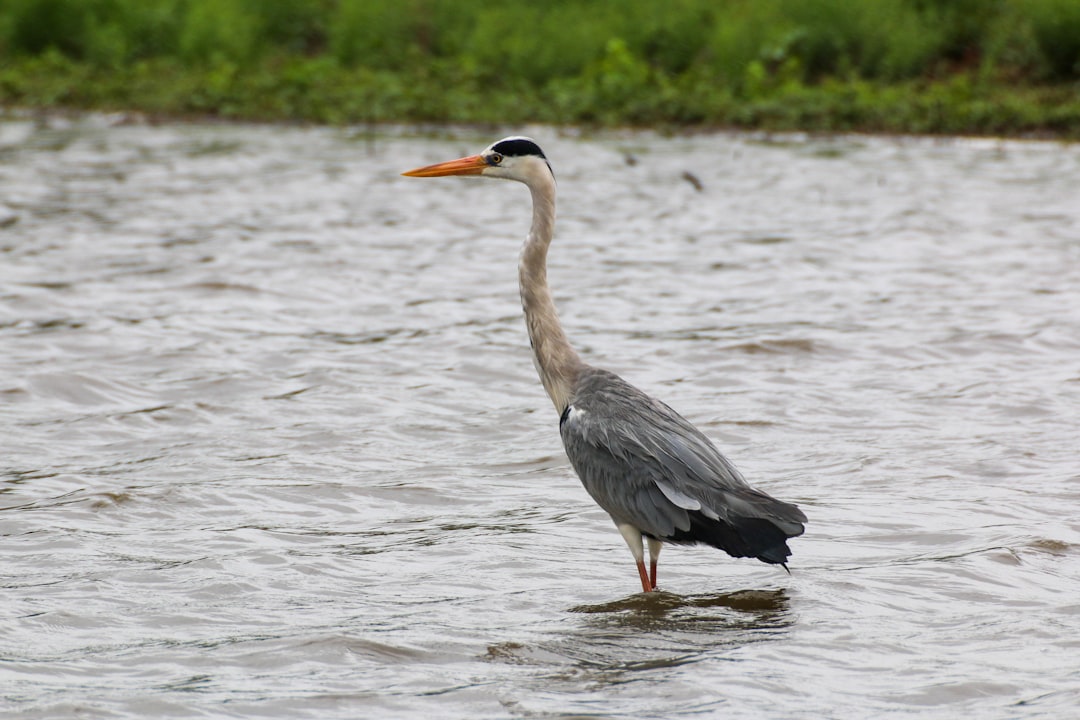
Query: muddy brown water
{"points": [[273, 446]]}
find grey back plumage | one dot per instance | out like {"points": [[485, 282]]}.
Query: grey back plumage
{"points": [[648, 467]]}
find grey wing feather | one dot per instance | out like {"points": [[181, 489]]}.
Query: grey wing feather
{"points": [[649, 467]]}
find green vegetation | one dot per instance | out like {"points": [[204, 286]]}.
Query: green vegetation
{"points": [[937, 66]]}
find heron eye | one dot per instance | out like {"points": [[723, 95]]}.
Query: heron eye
{"points": [[495, 159]]}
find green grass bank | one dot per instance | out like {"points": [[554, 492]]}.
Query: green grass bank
{"points": [[995, 67]]}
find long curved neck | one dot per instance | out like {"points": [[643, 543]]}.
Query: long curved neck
{"points": [[556, 362]]}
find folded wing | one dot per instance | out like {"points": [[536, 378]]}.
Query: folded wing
{"points": [[649, 467]]}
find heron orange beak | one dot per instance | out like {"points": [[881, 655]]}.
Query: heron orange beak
{"points": [[471, 165]]}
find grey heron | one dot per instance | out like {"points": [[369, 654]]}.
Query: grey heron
{"points": [[657, 476]]}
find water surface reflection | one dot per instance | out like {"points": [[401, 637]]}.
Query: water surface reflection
{"points": [[273, 445]]}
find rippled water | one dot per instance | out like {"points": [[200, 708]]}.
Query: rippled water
{"points": [[272, 443]]}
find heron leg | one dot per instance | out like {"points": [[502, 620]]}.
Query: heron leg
{"points": [[654, 555], [632, 536], [646, 586]]}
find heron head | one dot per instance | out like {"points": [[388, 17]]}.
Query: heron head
{"points": [[513, 158]]}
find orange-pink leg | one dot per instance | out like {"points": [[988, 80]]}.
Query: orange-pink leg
{"points": [[654, 555], [632, 536], [646, 584]]}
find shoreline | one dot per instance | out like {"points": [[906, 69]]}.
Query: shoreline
{"points": [[309, 92], [53, 117]]}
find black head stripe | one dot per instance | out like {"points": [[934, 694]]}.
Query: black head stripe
{"points": [[517, 147]]}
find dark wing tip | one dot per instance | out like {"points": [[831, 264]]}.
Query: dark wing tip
{"points": [[775, 555], [739, 537]]}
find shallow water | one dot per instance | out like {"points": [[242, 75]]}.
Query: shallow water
{"points": [[273, 445]]}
